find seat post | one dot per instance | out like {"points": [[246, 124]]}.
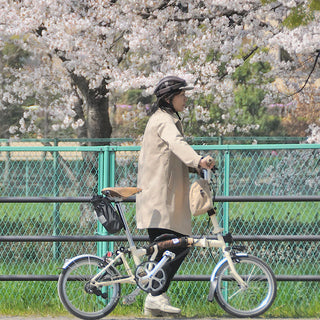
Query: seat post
{"points": [[126, 227]]}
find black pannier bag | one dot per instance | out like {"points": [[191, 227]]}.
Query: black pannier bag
{"points": [[107, 214]]}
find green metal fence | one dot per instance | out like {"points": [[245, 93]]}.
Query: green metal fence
{"points": [[244, 170], [120, 141]]}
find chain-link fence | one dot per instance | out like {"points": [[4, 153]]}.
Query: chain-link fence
{"points": [[244, 170]]}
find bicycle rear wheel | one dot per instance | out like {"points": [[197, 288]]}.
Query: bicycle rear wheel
{"points": [[81, 299], [253, 300]]}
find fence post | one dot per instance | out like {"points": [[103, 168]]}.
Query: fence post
{"points": [[106, 179], [111, 175], [56, 206], [226, 191], [27, 177], [103, 177]]}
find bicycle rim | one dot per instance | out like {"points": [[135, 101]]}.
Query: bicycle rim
{"points": [[253, 300], [74, 293]]}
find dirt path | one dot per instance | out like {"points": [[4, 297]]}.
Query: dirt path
{"points": [[137, 318]]}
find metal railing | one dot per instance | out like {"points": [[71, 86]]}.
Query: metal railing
{"points": [[114, 238]]}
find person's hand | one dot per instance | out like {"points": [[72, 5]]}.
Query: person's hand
{"points": [[207, 163]]}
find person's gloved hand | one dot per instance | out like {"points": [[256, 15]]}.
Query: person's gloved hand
{"points": [[207, 162]]}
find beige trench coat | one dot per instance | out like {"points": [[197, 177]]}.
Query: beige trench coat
{"points": [[163, 175]]}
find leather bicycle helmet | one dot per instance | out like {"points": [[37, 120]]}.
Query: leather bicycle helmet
{"points": [[169, 85]]}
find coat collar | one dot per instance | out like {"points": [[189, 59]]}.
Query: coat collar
{"points": [[176, 120], [172, 114]]}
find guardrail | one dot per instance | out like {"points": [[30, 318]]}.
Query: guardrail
{"points": [[115, 238]]}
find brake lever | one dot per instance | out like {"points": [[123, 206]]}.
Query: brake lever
{"points": [[206, 174]]}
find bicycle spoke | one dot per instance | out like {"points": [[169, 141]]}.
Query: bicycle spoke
{"points": [[230, 297], [250, 274]]}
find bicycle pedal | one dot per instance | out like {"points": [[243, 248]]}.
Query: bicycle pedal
{"points": [[131, 298]]}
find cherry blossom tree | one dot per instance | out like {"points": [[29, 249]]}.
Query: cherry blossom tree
{"points": [[81, 51]]}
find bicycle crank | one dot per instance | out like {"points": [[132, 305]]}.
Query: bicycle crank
{"points": [[149, 277]]}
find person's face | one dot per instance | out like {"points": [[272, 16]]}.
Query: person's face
{"points": [[179, 101]]}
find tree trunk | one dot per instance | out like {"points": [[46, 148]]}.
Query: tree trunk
{"points": [[96, 117], [93, 108], [98, 122]]}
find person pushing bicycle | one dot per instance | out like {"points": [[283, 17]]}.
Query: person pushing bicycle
{"points": [[162, 207]]}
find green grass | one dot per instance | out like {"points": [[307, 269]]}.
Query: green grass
{"points": [[294, 299], [280, 211], [297, 299], [41, 211]]}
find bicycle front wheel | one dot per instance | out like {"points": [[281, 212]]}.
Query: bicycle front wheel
{"points": [[79, 297], [256, 297]]}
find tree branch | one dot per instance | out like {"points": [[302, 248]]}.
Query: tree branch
{"points": [[246, 57], [314, 66]]}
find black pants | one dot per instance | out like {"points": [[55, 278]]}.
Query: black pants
{"points": [[171, 267]]}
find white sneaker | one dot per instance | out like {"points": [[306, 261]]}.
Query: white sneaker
{"points": [[159, 305]]}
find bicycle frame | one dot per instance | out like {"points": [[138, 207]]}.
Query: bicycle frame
{"points": [[138, 253]]}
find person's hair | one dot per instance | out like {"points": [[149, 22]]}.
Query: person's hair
{"points": [[164, 102]]}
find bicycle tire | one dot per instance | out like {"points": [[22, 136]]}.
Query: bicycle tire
{"points": [[252, 301], [73, 289]]}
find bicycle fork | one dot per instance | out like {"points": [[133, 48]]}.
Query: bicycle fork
{"points": [[213, 279]]}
